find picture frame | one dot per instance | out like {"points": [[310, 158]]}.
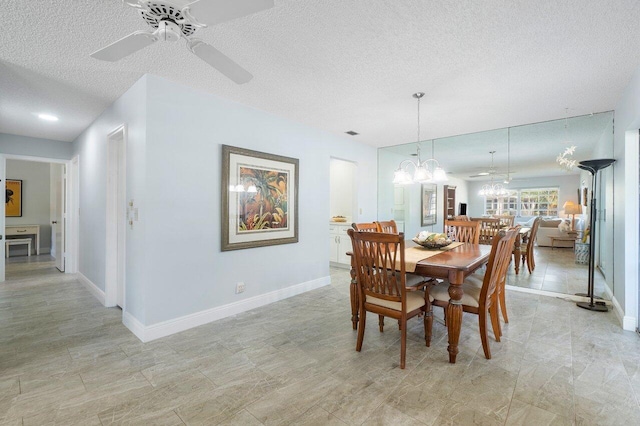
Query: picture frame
{"points": [[13, 198], [585, 193], [259, 199], [429, 192]]}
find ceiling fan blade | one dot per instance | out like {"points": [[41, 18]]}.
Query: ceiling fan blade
{"points": [[211, 12], [125, 46], [219, 61]]}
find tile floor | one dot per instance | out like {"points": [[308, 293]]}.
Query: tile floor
{"points": [[65, 359], [556, 271]]}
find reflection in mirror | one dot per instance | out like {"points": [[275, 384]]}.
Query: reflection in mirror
{"points": [[532, 162]]}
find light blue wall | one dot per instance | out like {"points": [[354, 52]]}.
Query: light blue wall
{"points": [[187, 271], [35, 147], [625, 195], [91, 146]]}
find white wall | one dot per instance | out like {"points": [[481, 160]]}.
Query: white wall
{"points": [[35, 200], [625, 195], [91, 146], [23, 145], [175, 269], [568, 190], [187, 272]]}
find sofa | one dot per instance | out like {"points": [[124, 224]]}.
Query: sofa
{"points": [[551, 227]]}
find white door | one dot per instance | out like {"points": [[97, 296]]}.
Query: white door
{"points": [[58, 221], [116, 218], [3, 164]]}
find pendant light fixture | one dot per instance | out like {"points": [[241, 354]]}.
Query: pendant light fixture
{"points": [[493, 189], [421, 171]]}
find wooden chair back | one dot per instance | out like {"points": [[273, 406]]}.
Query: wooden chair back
{"points": [[489, 228], [506, 220], [380, 273], [499, 259], [532, 234], [464, 231], [388, 227], [462, 217], [379, 263], [365, 227]]}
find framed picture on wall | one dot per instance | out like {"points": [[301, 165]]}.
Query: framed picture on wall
{"points": [[585, 192], [259, 199], [13, 198], [429, 202]]}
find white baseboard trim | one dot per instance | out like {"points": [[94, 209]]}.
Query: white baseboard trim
{"points": [[93, 289], [133, 325], [628, 323], [571, 297], [176, 325]]}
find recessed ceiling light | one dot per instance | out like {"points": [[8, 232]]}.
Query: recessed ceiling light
{"points": [[47, 117], [352, 133]]}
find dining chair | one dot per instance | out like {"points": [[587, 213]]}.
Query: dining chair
{"points": [[388, 226], [506, 220], [365, 227], [481, 300], [381, 276], [489, 227], [462, 217], [526, 248], [463, 231]]}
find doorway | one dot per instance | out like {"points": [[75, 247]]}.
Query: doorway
{"points": [[38, 197], [116, 218]]}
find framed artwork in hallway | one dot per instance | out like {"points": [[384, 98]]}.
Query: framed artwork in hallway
{"points": [[13, 198], [259, 199]]}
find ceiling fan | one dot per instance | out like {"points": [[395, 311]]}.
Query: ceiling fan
{"points": [[493, 171], [175, 19]]}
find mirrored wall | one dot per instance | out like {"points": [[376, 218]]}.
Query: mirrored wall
{"points": [[532, 163]]}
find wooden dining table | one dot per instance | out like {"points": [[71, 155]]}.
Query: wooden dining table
{"points": [[454, 265]]}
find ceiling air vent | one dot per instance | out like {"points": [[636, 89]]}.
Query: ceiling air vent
{"points": [[352, 133]]}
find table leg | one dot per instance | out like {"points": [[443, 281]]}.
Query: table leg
{"points": [[454, 313], [354, 296], [517, 254]]}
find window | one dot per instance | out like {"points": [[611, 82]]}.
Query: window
{"points": [[539, 202], [502, 205], [525, 202]]}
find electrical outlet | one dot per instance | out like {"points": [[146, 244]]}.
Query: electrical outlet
{"points": [[239, 287]]}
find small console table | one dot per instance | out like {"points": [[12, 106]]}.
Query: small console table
{"points": [[23, 230]]}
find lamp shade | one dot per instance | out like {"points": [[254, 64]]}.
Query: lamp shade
{"points": [[571, 208]]}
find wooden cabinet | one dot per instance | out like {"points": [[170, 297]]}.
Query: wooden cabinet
{"points": [[449, 202], [339, 245]]}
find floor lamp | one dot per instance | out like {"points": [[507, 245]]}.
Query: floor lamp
{"points": [[593, 166]]}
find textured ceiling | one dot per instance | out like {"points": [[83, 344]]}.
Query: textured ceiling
{"points": [[335, 65]]}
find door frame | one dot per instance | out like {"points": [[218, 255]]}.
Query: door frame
{"points": [[116, 208], [71, 190]]}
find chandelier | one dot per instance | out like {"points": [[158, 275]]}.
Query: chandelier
{"points": [[564, 159], [493, 189], [421, 171]]}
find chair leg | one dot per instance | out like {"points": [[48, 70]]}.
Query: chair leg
{"points": [[530, 264], [482, 321], [428, 325], [381, 323], [503, 306], [403, 344], [362, 321], [495, 322]]}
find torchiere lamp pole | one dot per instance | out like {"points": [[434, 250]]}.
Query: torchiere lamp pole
{"points": [[593, 166]]}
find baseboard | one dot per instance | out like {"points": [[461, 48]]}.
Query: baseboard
{"points": [[134, 325], [93, 289], [571, 297], [628, 323], [166, 328]]}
